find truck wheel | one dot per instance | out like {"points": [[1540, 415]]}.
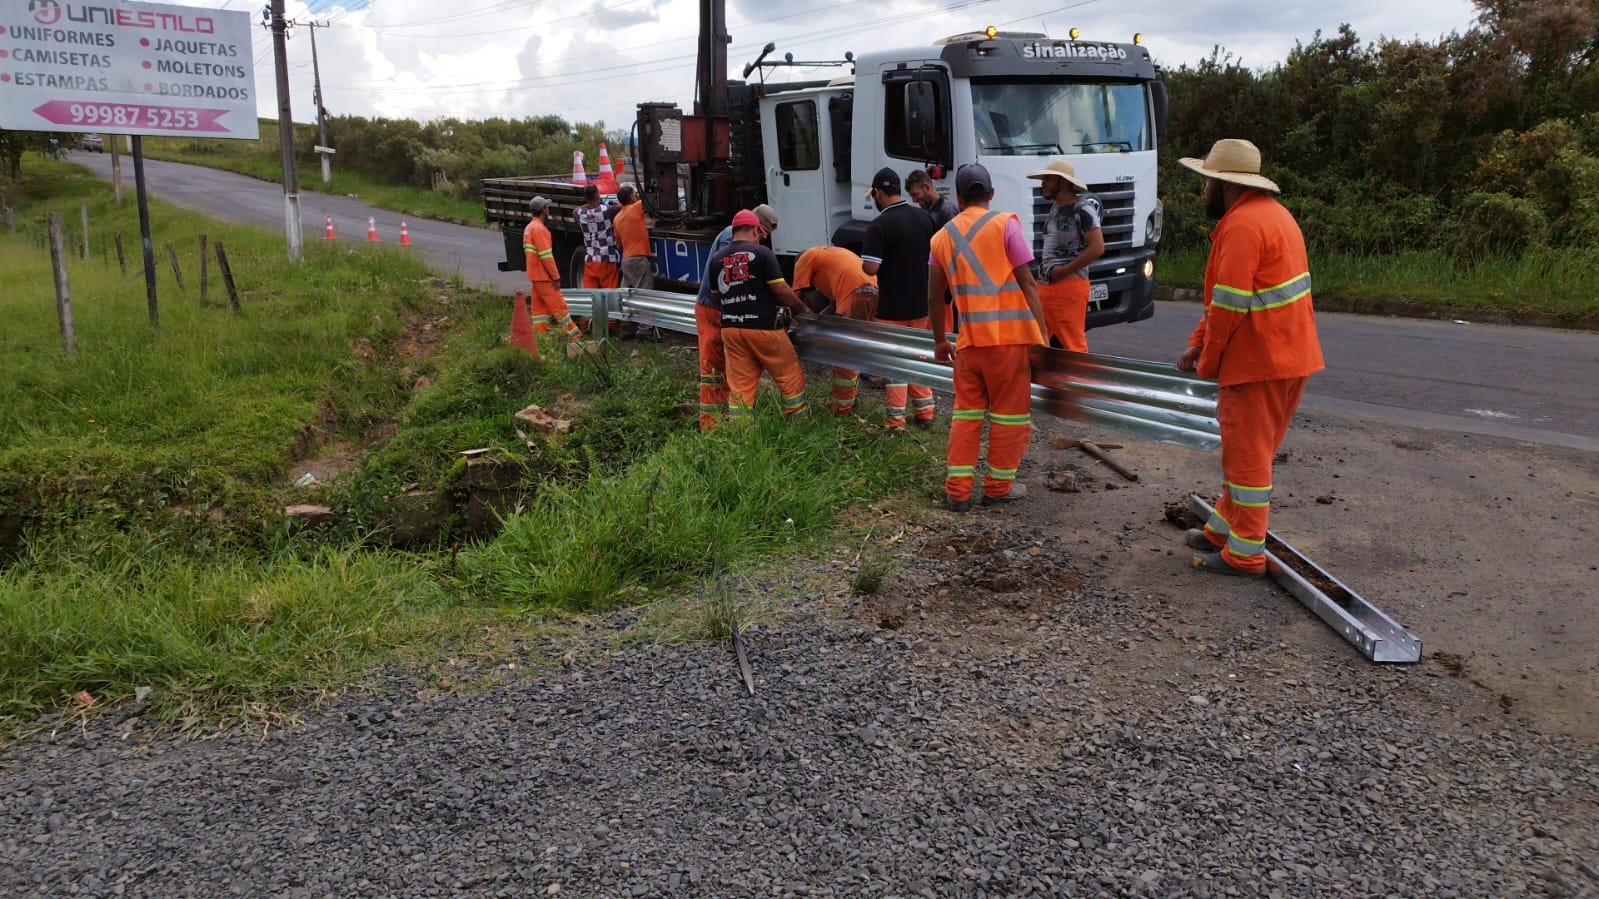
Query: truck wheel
{"points": [[574, 269]]}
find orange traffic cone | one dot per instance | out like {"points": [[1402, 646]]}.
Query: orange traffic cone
{"points": [[607, 178], [405, 234], [328, 233], [371, 229], [522, 327], [578, 176], [619, 167]]}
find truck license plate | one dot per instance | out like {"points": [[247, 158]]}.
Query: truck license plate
{"points": [[1098, 293]]}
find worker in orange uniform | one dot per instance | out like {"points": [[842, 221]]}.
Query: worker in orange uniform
{"points": [[835, 273], [708, 325], [602, 256], [1258, 339], [983, 258], [1073, 239], [748, 283], [634, 235], [543, 277]]}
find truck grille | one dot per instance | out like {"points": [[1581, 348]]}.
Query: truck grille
{"points": [[1116, 198]]}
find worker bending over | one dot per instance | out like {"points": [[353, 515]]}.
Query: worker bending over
{"points": [[983, 258], [544, 298], [835, 274], [756, 306], [1257, 338]]}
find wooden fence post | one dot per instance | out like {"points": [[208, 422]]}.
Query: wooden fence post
{"points": [[177, 273], [85, 210], [122, 261], [202, 268], [58, 261], [227, 276]]}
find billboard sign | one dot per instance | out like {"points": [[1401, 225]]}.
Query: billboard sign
{"points": [[126, 68]]}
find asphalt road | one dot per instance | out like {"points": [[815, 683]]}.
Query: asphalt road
{"points": [[1533, 384]]}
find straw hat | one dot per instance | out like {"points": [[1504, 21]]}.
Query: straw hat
{"points": [[1060, 168], [1235, 161]]}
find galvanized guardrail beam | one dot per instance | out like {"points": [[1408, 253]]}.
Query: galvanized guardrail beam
{"points": [[1146, 399], [1378, 637]]}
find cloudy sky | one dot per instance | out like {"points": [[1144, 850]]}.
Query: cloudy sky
{"points": [[589, 60]]}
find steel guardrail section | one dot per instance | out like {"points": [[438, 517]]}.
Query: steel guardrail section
{"points": [[1145, 399], [1378, 637]]}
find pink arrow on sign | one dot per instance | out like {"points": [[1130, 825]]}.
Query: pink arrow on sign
{"points": [[131, 115]]}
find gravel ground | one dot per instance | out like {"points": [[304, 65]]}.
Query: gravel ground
{"points": [[992, 725]]}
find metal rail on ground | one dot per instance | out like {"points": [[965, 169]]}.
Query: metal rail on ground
{"points": [[1378, 637], [1146, 399]]}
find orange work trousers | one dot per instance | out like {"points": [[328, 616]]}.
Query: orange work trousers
{"points": [[1066, 312], [602, 274], [713, 364], [1254, 420], [992, 382], [748, 353], [846, 384], [549, 310]]}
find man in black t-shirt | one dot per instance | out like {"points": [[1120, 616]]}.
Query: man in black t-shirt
{"points": [[747, 281], [897, 245]]}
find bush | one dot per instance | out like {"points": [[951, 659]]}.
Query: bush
{"points": [[1499, 225]]}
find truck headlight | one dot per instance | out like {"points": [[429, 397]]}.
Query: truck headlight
{"points": [[1152, 225], [1149, 269]]}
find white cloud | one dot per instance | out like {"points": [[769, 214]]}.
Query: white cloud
{"points": [[594, 60]]}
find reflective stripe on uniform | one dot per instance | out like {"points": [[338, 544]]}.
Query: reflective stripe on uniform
{"points": [[1002, 474], [968, 414], [713, 379], [999, 315], [1022, 419], [922, 402], [1238, 546], [973, 290], [1259, 300], [1254, 497], [529, 248], [1218, 524], [961, 471], [846, 382], [793, 405]]}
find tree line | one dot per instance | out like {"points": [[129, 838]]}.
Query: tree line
{"points": [[1481, 143]]}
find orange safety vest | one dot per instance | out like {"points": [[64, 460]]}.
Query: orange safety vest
{"points": [[540, 253], [994, 312], [1259, 324]]}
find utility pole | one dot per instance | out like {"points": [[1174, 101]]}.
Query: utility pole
{"points": [[321, 114], [291, 186]]}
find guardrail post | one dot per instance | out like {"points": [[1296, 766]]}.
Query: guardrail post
{"points": [[600, 314]]}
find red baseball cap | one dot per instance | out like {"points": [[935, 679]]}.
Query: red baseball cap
{"points": [[744, 218]]}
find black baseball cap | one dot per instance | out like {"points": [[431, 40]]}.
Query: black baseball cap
{"points": [[970, 174], [886, 180]]}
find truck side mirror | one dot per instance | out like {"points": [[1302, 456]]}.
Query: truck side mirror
{"points": [[1157, 96], [921, 118]]}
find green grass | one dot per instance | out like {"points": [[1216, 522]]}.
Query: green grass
{"points": [[141, 544], [260, 159], [1545, 284], [700, 504]]}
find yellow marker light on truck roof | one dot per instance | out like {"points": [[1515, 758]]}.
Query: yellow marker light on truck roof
{"points": [[1074, 33], [991, 31], [1138, 38]]}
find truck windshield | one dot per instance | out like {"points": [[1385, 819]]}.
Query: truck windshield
{"points": [[1042, 118]]}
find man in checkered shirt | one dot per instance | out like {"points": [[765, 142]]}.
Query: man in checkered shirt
{"points": [[602, 254]]}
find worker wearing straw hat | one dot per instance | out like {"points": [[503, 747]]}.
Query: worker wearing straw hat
{"points": [[1073, 239], [1257, 339]]}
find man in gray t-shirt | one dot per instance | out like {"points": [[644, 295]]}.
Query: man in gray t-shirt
{"points": [[1073, 239]]}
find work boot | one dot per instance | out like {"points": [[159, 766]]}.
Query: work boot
{"points": [[957, 505], [1213, 563], [1017, 491], [875, 382], [925, 424], [1195, 537]]}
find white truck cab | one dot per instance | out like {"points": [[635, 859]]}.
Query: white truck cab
{"points": [[1008, 101]]}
